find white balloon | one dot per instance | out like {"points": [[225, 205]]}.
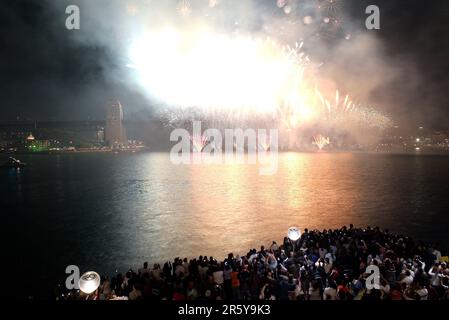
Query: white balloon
{"points": [[89, 282], [294, 234]]}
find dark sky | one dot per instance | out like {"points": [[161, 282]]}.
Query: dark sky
{"points": [[44, 75]]}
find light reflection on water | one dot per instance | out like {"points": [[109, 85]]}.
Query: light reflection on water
{"points": [[104, 212]]}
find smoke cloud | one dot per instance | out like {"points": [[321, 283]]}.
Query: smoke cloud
{"points": [[389, 69]]}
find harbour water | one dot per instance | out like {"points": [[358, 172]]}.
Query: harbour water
{"points": [[108, 212]]}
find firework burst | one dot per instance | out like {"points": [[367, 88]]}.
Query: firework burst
{"points": [[321, 142], [235, 80], [199, 142], [184, 8], [330, 7]]}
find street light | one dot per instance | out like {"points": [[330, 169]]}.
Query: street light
{"points": [[89, 282]]}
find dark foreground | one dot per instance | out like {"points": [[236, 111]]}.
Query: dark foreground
{"points": [[321, 265]]}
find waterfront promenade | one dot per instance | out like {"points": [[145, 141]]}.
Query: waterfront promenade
{"points": [[321, 265]]}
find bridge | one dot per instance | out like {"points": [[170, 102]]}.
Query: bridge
{"points": [[88, 124]]}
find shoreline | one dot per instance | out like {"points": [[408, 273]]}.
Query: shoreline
{"points": [[80, 151], [149, 150]]}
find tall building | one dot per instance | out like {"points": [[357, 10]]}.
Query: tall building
{"points": [[115, 134]]}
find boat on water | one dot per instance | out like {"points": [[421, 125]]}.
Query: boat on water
{"points": [[13, 164]]}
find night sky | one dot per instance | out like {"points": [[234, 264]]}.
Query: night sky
{"points": [[44, 74]]}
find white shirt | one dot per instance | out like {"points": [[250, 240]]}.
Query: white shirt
{"points": [[330, 294], [329, 256], [423, 293], [385, 290], [407, 280], [252, 257], [412, 273], [179, 269], [435, 279], [218, 277], [202, 271], [186, 268], [437, 254]]}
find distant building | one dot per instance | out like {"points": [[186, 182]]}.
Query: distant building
{"points": [[30, 138], [440, 137], [35, 145], [100, 135], [39, 145], [115, 135]]}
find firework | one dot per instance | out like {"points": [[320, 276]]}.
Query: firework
{"points": [[331, 7], [244, 80], [281, 3], [308, 20], [199, 142], [372, 118], [264, 143], [132, 9], [321, 142], [184, 8], [330, 13], [337, 107], [288, 9], [203, 69], [213, 3]]}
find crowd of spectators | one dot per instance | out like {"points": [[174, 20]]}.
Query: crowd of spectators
{"points": [[344, 264]]}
